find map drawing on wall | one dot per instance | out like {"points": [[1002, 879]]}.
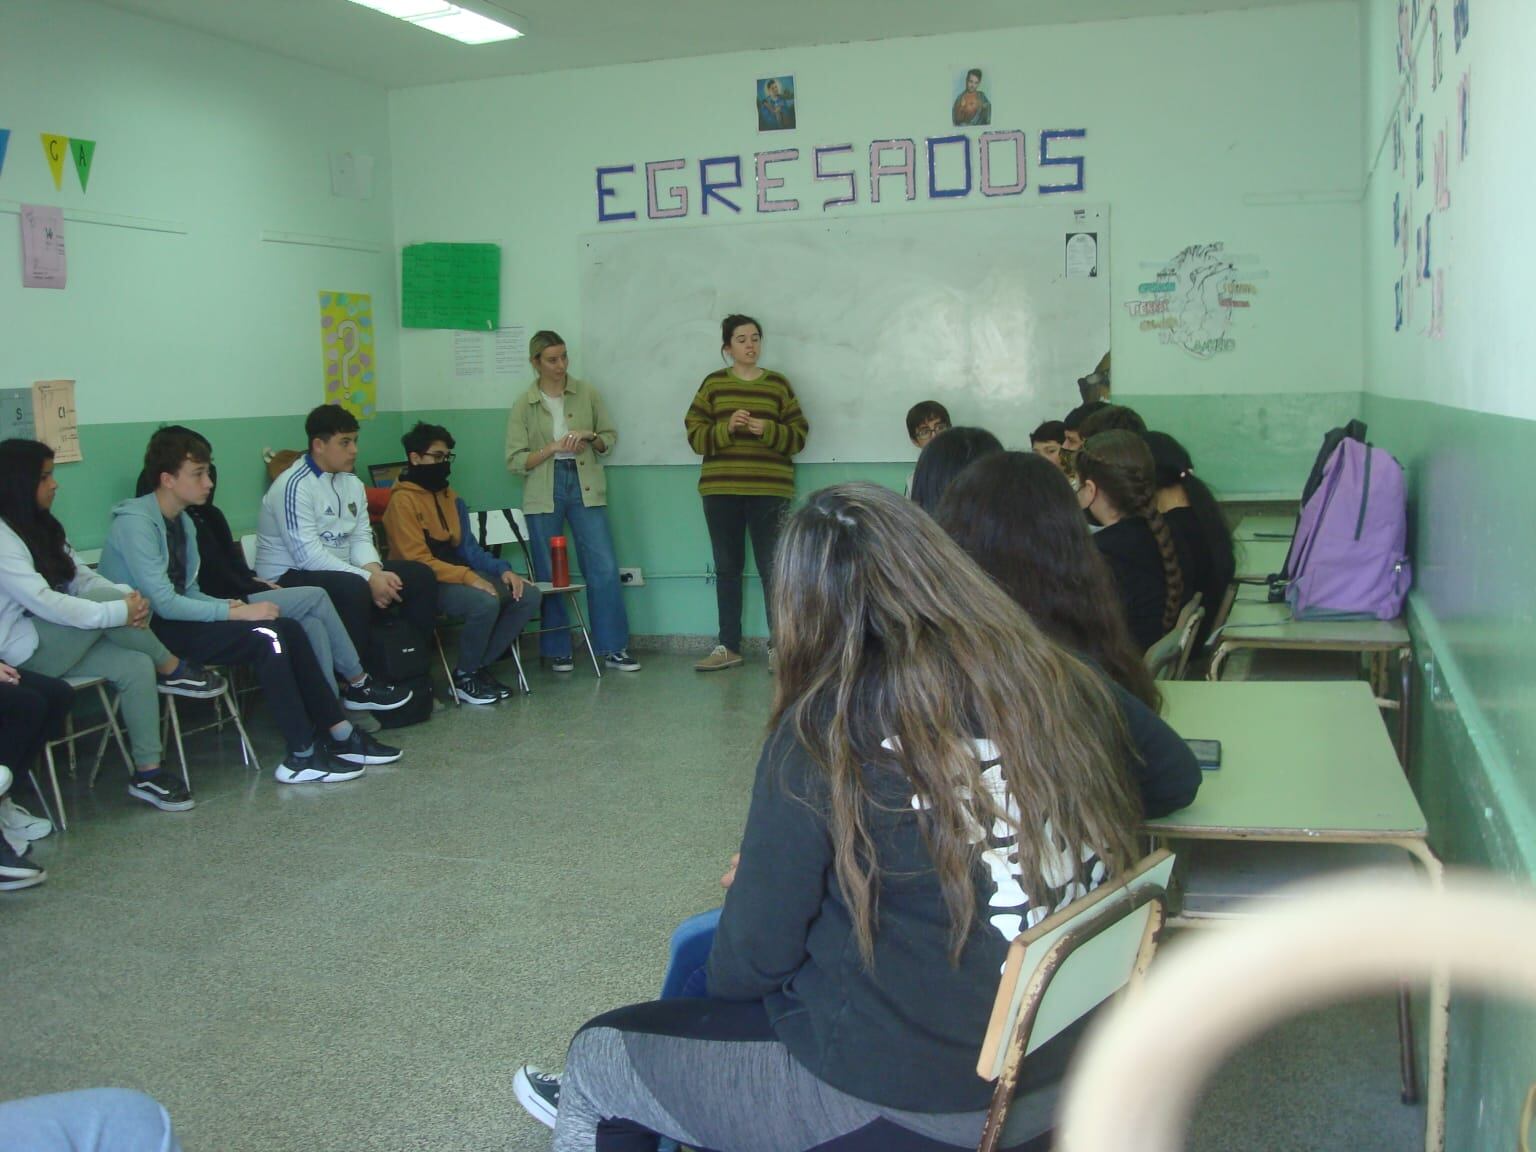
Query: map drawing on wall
{"points": [[346, 346], [1192, 300]]}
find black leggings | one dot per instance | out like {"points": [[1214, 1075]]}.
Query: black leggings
{"points": [[712, 1075], [299, 694], [31, 713]]}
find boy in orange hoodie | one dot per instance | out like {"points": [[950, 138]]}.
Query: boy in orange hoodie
{"points": [[427, 521]]}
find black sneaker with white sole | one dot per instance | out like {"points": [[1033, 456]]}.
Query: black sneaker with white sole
{"points": [[190, 680], [561, 664], [471, 688], [165, 791], [16, 873], [315, 768], [538, 1093], [374, 696], [502, 690], [361, 748], [622, 660]]}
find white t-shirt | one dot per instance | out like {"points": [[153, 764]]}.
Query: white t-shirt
{"points": [[555, 406]]}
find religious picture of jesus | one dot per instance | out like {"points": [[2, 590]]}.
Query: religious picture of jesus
{"points": [[971, 107]]}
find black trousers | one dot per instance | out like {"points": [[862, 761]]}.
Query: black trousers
{"points": [[297, 691], [730, 518], [354, 602], [31, 712]]}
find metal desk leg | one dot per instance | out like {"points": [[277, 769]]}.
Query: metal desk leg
{"points": [[1439, 1018]]}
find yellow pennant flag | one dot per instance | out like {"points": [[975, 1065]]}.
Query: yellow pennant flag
{"points": [[56, 148]]}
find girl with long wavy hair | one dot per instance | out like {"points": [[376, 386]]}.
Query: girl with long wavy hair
{"points": [[938, 777], [59, 618], [1117, 487]]}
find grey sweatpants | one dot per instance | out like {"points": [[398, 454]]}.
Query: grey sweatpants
{"points": [[124, 657], [711, 1074]]}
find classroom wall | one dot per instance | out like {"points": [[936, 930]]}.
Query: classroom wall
{"points": [[1449, 393], [204, 324], [1200, 129]]}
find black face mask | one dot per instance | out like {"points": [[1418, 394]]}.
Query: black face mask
{"points": [[432, 477]]}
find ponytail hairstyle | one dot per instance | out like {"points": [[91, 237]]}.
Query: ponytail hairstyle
{"points": [[1174, 468], [1120, 464], [21, 471]]}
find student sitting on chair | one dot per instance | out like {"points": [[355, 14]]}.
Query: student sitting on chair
{"points": [[1116, 487], [224, 574], [1047, 440], [946, 456], [925, 420], [428, 523], [1072, 423], [152, 544], [313, 532], [875, 791], [1111, 418], [1200, 531], [59, 618]]}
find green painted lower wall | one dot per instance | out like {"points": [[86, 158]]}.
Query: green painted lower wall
{"points": [[114, 453], [1471, 614], [1262, 443]]}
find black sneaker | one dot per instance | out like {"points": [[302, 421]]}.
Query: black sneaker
{"points": [[315, 768], [560, 663], [471, 688], [164, 790], [622, 660], [373, 696], [190, 680], [539, 1094], [502, 690], [16, 873], [361, 748]]}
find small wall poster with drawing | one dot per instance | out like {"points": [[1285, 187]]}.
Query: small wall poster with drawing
{"points": [[53, 416], [346, 345]]}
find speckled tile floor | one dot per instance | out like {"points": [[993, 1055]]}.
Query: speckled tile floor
{"points": [[362, 966]]}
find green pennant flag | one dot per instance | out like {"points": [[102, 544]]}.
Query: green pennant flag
{"points": [[83, 151]]}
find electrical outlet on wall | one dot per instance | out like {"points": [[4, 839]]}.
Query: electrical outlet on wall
{"points": [[631, 577]]}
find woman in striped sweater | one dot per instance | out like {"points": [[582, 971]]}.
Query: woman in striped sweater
{"points": [[747, 424]]}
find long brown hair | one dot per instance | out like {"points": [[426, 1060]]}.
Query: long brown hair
{"points": [[894, 652], [1014, 514], [1120, 463]]}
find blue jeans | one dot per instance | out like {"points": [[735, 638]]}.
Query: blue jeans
{"points": [[599, 570], [102, 1119]]}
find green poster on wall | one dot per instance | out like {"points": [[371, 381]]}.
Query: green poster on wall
{"points": [[451, 286]]}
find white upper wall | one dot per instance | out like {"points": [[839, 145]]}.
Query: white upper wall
{"points": [[222, 140], [1483, 244], [1241, 128]]}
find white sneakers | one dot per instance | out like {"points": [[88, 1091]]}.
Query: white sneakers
{"points": [[18, 825]]}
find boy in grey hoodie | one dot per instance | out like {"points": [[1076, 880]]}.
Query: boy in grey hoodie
{"points": [[152, 545]]}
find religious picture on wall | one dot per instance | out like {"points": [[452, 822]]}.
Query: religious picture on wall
{"points": [[776, 104], [971, 107]]}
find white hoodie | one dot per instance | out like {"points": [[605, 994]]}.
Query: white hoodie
{"points": [[25, 594], [314, 521]]}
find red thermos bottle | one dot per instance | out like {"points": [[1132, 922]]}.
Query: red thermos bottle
{"points": [[559, 562]]}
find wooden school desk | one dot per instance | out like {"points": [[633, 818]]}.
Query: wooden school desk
{"points": [[1266, 526], [1264, 626], [1305, 764]]}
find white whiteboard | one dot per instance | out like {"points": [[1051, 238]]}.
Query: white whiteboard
{"points": [[866, 316]]}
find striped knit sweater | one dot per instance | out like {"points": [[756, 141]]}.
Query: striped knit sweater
{"points": [[739, 463]]}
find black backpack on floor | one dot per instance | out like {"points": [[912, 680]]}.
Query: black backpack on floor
{"points": [[403, 657]]}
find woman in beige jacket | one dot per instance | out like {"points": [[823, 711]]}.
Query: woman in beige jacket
{"points": [[557, 435]]}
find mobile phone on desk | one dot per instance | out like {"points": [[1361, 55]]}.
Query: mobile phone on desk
{"points": [[1207, 753]]}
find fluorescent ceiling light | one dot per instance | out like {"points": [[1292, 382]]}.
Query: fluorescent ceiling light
{"points": [[445, 19]]}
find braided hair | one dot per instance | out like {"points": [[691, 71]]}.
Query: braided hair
{"points": [[1120, 464]]}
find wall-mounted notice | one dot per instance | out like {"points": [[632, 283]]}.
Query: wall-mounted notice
{"points": [[451, 286], [1191, 301], [42, 247], [16, 419], [512, 351], [1082, 254], [468, 356], [347, 353], [53, 416]]}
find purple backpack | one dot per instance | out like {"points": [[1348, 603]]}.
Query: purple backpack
{"points": [[1350, 555]]}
